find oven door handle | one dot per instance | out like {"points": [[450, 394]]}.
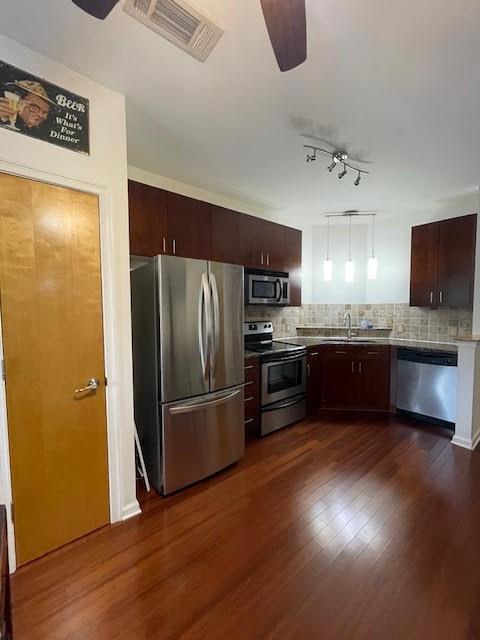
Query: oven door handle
{"points": [[284, 405], [287, 359]]}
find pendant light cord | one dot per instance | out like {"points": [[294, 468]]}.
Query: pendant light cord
{"points": [[328, 238], [350, 241], [373, 236]]}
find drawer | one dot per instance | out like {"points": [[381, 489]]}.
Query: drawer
{"points": [[373, 352]]}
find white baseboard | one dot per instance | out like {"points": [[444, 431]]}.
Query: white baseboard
{"points": [[131, 510], [466, 443]]}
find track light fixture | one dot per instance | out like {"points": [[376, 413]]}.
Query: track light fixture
{"points": [[337, 156]]}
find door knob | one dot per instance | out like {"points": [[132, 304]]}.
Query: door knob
{"points": [[92, 385]]}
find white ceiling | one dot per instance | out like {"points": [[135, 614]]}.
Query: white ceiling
{"points": [[397, 80]]}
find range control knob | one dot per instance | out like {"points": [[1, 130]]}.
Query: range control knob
{"points": [[265, 326]]}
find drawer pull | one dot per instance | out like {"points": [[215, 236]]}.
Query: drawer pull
{"points": [[341, 353], [246, 383], [314, 353], [249, 366], [249, 420], [248, 399], [372, 353]]}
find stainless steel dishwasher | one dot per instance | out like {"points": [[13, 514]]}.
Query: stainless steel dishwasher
{"points": [[427, 385]]}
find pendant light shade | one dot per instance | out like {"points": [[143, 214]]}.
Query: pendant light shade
{"points": [[350, 271], [372, 265], [327, 263], [350, 265]]}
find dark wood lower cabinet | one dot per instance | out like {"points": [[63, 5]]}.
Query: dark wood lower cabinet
{"points": [[356, 377], [314, 380], [252, 396]]}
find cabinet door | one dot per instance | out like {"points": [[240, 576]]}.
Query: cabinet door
{"points": [[273, 237], [189, 225], [424, 263], [373, 367], [252, 396], [225, 230], [252, 241], [147, 219], [293, 264], [314, 380], [456, 261], [340, 378]]}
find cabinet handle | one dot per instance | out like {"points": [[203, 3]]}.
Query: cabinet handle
{"points": [[248, 399], [308, 369], [249, 366], [174, 246], [245, 384], [261, 259], [441, 297], [360, 367], [431, 297], [249, 420], [268, 259], [314, 353], [341, 353], [353, 366], [372, 353], [164, 245]]}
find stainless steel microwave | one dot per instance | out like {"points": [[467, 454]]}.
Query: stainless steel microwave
{"points": [[266, 287]]}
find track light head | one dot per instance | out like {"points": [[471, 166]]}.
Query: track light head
{"points": [[332, 166], [357, 181], [344, 172], [311, 157]]}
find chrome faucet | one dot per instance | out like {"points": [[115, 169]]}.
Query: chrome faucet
{"points": [[347, 321]]}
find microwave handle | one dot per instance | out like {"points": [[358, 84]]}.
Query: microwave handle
{"points": [[279, 283]]}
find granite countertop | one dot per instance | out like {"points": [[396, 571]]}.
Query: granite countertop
{"points": [[430, 345]]}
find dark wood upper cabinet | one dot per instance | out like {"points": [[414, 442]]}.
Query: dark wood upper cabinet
{"points": [[189, 224], [424, 261], [456, 261], [147, 220], [293, 264], [225, 236], [165, 222], [443, 263]]}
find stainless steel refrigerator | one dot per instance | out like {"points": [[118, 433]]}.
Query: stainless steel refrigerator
{"points": [[187, 326]]}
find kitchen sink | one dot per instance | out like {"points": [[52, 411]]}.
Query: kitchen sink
{"points": [[355, 340]]}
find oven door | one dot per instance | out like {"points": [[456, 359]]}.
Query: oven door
{"points": [[283, 378], [266, 289]]}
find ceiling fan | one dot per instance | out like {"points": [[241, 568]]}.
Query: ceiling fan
{"points": [[285, 20]]}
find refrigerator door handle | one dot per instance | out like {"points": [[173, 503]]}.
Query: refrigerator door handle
{"points": [[215, 323], [200, 406], [204, 324]]}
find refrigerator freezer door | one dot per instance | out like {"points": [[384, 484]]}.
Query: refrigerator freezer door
{"points": [[226, 283], [185, 325], [201, 436]]}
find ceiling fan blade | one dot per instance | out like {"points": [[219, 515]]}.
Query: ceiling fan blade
{"points": [[96, 8], [287, 28]]}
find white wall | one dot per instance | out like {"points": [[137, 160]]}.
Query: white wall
{"points": [[392, 248], [106, 170]]}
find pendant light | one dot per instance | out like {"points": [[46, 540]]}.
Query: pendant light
{"points": [[350, 265], [372, 265], [327, 263]]}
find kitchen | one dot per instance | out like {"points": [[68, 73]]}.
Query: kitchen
{"points": [[267, 269]]}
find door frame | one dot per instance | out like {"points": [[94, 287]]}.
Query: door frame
{"points": [[112, 360]]}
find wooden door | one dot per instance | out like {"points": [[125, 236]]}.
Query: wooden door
{"points": [[51, 308], [373, 369], [456, 262], [314, 380], [148, 219], [424, 264], [189, 225], [340, 379], [225, 229], [293, 264]]}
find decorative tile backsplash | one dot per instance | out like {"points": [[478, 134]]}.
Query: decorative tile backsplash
{"points": [[403, 321]]}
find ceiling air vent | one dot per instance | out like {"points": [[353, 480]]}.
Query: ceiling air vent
{"points": [[179, 22]]}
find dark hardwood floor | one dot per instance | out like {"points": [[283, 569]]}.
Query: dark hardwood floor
{"points": [[345, 526]]}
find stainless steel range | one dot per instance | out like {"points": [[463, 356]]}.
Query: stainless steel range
{"points": [[283, 376]]}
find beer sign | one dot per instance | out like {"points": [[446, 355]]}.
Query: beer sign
{"points": [[36, 108]]}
